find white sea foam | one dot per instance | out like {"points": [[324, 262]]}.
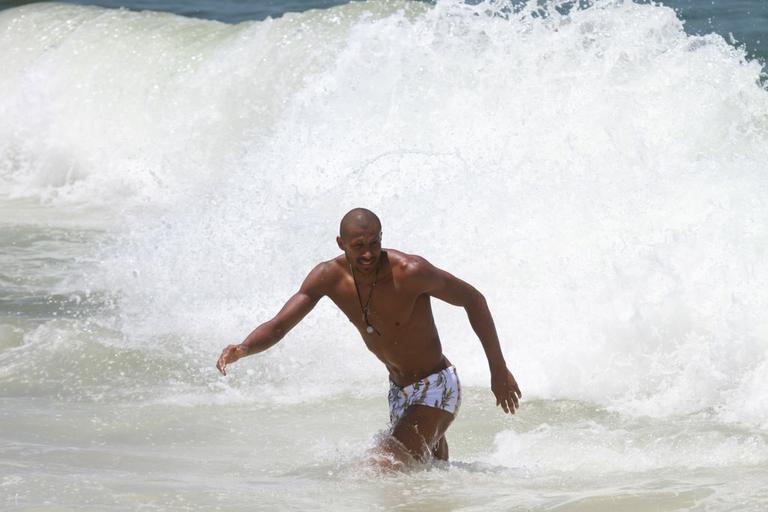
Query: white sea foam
{"points": [[600, 176], [589, 448]]}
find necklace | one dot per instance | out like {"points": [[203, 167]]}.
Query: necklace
{"points": [[365, 309]]}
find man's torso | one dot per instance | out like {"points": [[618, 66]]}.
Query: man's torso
{"points": [[407, 341]]}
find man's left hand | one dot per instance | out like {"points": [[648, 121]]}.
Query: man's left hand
{"points": [[506, 391]]}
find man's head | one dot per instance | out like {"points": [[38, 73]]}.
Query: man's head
{"points": [[360, 239]]}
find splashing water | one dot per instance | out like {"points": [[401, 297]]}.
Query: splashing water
{"points": [[600, 175]]}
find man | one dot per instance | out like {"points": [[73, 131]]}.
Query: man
{"points": [[386, 295]]}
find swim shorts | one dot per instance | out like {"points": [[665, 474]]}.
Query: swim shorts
{"points": [[440, 390]]}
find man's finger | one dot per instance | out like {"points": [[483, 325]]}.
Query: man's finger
{"points": [[512, 402]]}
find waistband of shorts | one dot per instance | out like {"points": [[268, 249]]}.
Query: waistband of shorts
{"points": [[451, 369]]}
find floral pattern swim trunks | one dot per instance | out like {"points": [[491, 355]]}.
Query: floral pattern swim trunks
{"points": [[440, 390]]}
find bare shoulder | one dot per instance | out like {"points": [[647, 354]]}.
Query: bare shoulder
{"points": [[422, 277], [411, 267], [323, 278]]}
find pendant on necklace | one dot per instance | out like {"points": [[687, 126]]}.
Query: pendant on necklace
{"points": [[369, 329]]}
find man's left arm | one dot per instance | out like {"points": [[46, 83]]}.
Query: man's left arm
{"points": [[446, 287]]}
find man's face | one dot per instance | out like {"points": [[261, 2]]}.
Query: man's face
{"points": [[362, 247]]}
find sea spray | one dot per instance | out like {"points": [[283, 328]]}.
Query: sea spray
{"points": [[166, 183], [598, 174]]}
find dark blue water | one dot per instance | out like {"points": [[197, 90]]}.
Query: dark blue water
{"points": [[745, 21], [742, 21]]}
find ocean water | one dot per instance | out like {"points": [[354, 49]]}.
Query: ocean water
{"points": [[166, 181], [742, 22]]}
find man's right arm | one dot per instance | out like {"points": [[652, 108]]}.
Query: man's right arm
{"points": [[269, 333]]}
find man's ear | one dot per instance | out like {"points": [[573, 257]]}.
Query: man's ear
{"points": [[340, 242]]}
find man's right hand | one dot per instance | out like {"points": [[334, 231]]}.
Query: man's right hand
{"points": [[229, 355]]}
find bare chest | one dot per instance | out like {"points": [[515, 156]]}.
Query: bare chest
{"points": [[391, 308]]}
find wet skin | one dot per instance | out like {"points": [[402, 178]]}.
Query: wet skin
{"points": [[406, 341]]}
